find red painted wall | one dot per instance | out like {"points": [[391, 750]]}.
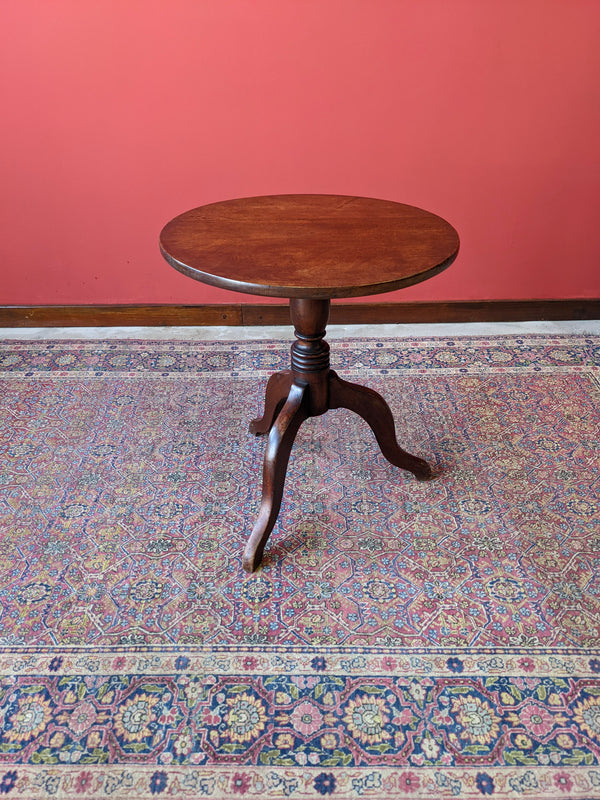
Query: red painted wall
{"points": [[119, 114]]}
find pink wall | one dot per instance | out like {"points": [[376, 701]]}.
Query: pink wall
{"points": [[119, 114]]}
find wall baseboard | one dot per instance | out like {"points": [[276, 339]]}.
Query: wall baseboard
{"points": [[261, 314]]}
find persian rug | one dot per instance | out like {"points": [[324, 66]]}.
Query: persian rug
{"points": [[403, 639]]}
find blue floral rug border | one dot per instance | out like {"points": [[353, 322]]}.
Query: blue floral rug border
{"points": [[261, 357]]}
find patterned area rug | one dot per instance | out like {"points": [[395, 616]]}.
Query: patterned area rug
{"points": [[402, 640]]}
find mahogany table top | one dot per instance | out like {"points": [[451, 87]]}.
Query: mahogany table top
{"points": [[309, 245]]}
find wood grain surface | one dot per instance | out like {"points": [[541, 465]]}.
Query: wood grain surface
{"points": [[320, 246]]}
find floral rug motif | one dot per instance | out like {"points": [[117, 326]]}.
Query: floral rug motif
{"points": [[402, 639]]}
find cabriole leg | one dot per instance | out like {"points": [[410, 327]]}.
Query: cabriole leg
{"points": [[279, 447]]}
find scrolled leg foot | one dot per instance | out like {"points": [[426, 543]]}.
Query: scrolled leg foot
{"points": [[371, 406], [279, 446]]}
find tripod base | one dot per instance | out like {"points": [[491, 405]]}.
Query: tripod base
{"points": [[308, 389]]}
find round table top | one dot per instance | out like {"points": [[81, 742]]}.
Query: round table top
{"points": [[309, 245]]}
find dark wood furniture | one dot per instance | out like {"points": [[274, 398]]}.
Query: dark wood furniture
{"points": [[310, 248]]}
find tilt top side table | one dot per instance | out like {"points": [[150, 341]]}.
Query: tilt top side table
{"points": [[310, 248]]}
